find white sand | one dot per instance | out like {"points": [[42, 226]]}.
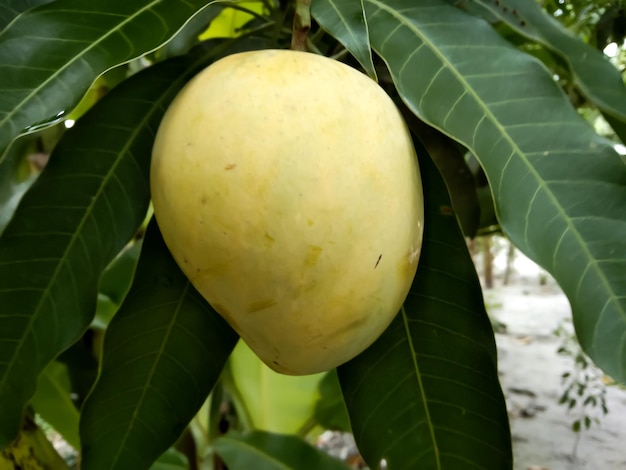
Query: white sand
{"points": [[531, 371]]}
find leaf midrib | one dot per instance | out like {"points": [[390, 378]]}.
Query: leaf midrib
{"points": [[516, 150], [76, 235], [62, 69], [147, 384], [420, 384]]}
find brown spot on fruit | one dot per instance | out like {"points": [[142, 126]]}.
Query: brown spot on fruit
{"points": [[378, 260], [313, 255], [230, 166], [260, 305]]}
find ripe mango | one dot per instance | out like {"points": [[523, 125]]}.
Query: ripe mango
{"points": [[287, 189]]}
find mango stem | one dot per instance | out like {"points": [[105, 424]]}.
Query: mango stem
{"points": [[301, 25]]}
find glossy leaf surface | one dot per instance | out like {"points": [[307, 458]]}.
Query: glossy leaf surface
{"points": [[426, 394], [599, 80], [346, 22], [559, 188], [163, 353], [49, 56], [82, 210], [11, 9]]}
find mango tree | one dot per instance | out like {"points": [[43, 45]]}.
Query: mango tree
{"points": [[104, 337]]}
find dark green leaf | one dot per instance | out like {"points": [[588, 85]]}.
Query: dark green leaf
{"points": [[330, 409], [449, 158], [260, 450], [187, 37], [345, 20], [10, 9], [81, 359], [85, 206], [426, 394], [50, 56], [163, 352], [596, 77], [560, 189]]}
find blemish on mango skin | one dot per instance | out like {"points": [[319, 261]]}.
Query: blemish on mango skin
{"points": [[407, 265], [260, 305], [312, 255], [230, 166]]}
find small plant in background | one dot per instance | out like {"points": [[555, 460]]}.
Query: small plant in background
{"points": [[584, 386]]}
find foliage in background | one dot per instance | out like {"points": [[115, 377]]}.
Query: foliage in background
{"points": [[96, 319]]}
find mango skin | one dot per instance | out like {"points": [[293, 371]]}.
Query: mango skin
{"points": [[287, 188]]}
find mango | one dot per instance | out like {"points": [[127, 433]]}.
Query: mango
{"points": [[287, 189]]}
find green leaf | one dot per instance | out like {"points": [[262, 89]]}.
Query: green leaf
{"points": [[118, 276], [53, 403], [559, 188], [115, 283], [171, 460], [330, 409], [15, 178], [187, 36], [345, 20], [162, 354], [85, 206], [50, 56], [266, 451], [11, 9], [426, 394], [596, 77], [274, 402], [449, 157]]}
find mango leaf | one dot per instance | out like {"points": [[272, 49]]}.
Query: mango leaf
{"points": [[449, 157], [188, 35], [115, 283], [559, 188], [163, 352], [53, 403], [232, 19], [85, 206], [273, 402], [171, 460], [266, 451], [330, 409], [49, 56], [426, 394], [346, 22], [596, 77], [118, 275], [11, 9]]}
